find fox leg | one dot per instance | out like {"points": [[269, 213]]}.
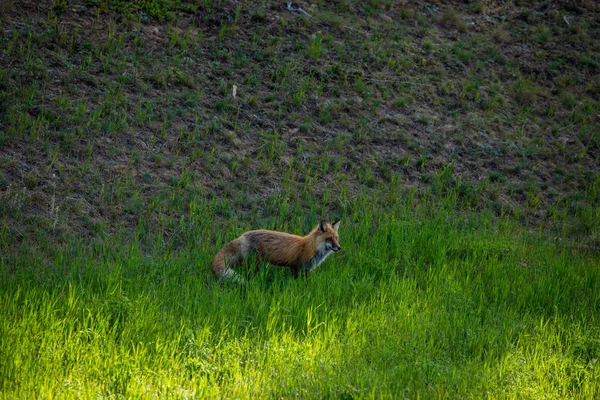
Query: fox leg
{"points": [[260, 262], [298, 272]]}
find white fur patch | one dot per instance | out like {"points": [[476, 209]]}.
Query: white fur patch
{"points": [[322, 253], [234, 276]]}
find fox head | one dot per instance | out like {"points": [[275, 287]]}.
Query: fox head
{"points": [[327, 236]]}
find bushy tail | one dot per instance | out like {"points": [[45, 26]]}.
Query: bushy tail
{"points": [[227, 257]]}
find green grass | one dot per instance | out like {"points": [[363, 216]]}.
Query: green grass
{"points": [[420, 303], [459, 143]]}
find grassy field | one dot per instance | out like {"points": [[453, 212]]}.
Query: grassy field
{"points": [[458, 141], [418, 304]]}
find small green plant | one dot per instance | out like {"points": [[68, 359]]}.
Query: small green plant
{"points": [[316, 47], [524, 91], [499, 34], [542, 33], [496, 176], [300, 96], [449, 16], [402, 102], [428, 44], [361, 87], [326, 113], [59, 6], [222, 105], [462, 52]]}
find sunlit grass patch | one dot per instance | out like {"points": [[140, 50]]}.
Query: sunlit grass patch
{"points": [[418, 302]]}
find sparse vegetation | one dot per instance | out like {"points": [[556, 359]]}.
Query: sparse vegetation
{"points": [[459, 142]]}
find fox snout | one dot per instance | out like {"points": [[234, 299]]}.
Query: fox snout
{"points": [[334, 247]]}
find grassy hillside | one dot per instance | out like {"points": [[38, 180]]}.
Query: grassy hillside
{"points": [[458, 141], [115, 114]]}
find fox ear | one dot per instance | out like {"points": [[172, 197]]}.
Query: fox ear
{"points": [[323, 225], [336, 224]]}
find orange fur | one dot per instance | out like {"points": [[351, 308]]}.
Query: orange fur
{"points": [[299, 253]]}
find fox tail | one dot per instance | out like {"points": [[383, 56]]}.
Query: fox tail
{"points": [[228, 256]]}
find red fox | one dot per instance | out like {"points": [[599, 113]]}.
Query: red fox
{"points": [[299, 253]]}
